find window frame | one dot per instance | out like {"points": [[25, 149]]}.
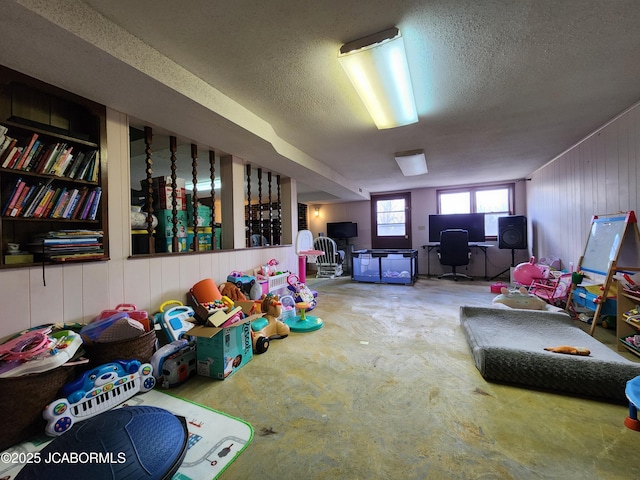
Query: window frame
{"points": [[472, 190]]}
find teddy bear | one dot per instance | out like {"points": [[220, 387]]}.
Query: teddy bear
{"points": [[232, 292]]}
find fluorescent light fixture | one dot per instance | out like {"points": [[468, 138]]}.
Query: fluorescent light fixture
{"points": [[203, 185], [377, 66], [412, 162]]}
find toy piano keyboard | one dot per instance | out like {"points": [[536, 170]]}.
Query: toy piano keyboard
{"points": [[96, 391]]}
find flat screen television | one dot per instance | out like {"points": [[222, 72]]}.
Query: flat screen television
{"points": [[342, 229], [472, 222]]}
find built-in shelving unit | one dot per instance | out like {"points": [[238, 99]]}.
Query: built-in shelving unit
{"points": [[52, 175], [627, 327]]}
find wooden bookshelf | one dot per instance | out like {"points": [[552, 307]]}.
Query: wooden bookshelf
{"points": [[52, 171], [625, 327]]}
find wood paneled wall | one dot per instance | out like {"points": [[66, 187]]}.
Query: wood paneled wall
{"points": [[597, 176], [77, 293]]}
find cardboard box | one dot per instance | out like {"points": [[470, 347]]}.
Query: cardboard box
{"points": [[221, 352], [162, 193], [165, 223], [204, 215], [204, 238], [165, 244]]}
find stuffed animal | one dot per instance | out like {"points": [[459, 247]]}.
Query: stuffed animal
{"points": [[520, 299], [232, 291], [569, 350]]}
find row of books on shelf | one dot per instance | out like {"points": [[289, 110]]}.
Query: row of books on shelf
{"points": [[42, 200], [68, 245], [39, 156]]}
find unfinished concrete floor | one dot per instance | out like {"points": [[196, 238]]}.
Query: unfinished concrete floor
{"points": [[387, 389]]}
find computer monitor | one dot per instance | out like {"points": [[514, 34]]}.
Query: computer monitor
{"points": [[472, 222], [342, 229]]}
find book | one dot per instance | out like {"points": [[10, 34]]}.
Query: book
{"points": [[14, 155], [62, 203], [29, 206], [82, 173], [25, 152], [46, 212], [35, 157], [5, 157], [81, 199], [70, 203], [12, 196], [4, 145], [20, 184], [87, 205], [42, 189], [72, 164], [27, 191], [11, 153], [56, 207], [96, 202], [26, 158], [44, 202], [61, 162], [44, 158], [53, 156]]}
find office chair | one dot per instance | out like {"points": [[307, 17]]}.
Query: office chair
{"points": [[454, 251]]}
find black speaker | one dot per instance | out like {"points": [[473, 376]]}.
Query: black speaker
{"points": [[512, 232]]}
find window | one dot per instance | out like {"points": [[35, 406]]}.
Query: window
{"points": [[391, 220], [494, 201]]}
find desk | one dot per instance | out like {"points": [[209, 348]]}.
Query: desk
{"points": [[482, 246]]}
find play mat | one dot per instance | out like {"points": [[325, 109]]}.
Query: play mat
{"points": [[215, 439]]}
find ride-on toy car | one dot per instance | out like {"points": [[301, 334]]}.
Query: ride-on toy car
{"points": [[268, 327], [241, 280]]}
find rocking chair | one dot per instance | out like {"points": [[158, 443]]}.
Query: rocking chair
{"points": [[329, 264]]}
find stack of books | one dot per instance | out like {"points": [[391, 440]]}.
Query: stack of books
{"points": [[68, 245]]}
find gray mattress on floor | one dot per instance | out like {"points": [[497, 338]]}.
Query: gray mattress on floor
{"points": [[508, 346]]}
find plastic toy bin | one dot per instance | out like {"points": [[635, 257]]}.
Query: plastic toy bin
{"points": [[385, 266], [586, 299]]}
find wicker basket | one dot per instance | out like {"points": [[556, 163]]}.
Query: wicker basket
{"points": [[139, 348], [22, 399]]}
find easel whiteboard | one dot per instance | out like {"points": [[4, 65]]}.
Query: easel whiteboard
{"points": [[613, 244], [603, 244]]}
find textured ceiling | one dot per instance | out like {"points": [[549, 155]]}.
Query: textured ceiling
{"points": [[502, 86]]}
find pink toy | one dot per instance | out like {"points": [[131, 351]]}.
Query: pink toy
{"points": [[527, 272]]}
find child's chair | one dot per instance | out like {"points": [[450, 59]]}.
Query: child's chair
{"points": [[554, 289]]}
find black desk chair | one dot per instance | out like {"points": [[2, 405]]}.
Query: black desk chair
{"points": [[454, 251]]}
